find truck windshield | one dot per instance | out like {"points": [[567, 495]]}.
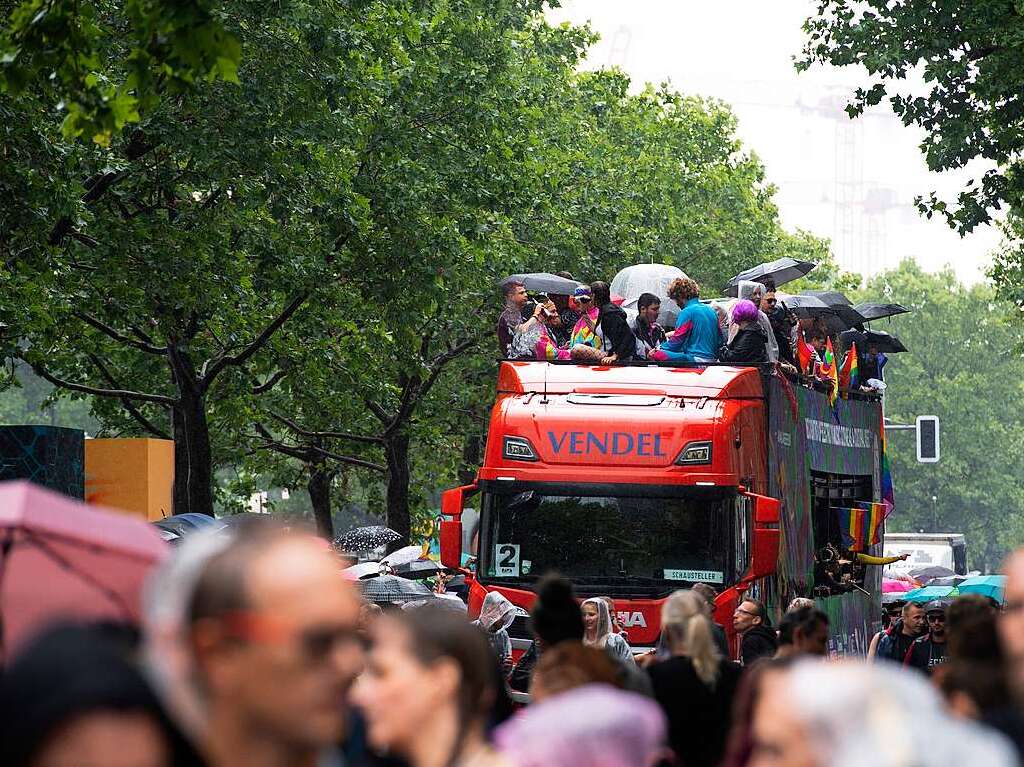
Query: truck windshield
{"points": [[653, 543]]}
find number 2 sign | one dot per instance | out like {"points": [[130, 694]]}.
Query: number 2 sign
{"points": [[506, 559]]}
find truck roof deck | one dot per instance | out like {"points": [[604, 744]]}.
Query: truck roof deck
{"points": [[714, 381]]}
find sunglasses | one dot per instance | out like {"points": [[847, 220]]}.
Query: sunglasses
{"points": [[771, 301], [315, 643], [936, 618]]}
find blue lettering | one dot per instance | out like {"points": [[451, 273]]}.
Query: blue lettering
{"points": [[615, 443], [642, 442], [598, 444], [556, 446], [657, 447], [575, 438]]}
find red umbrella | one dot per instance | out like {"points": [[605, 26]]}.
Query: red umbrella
{"points": [[60, 558]]}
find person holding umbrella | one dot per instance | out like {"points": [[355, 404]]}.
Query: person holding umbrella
{"points": [[512, 320]]}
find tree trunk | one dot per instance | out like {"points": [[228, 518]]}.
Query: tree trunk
{"points": [[396, 452], [319, 489], [196, 484], [193, 459], [179, 496]]}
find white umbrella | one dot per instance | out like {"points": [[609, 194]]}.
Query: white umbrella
{"points": [[634, 281]]}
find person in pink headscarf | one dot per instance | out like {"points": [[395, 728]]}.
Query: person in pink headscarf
{"points": [[591, 726]]}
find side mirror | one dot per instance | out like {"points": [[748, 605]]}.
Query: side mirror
{"points": [[764, 555], [450, 537], [451, 542]]}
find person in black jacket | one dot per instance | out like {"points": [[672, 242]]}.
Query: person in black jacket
{"points": [[751, 621], [695, 686], [750, 346], [619, 341]]}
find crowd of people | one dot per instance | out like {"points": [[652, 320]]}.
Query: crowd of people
{"points": [[256, 650], [755, 328]]}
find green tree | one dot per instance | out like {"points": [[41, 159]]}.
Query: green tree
{"points": [[971, 58], [963, 366]]}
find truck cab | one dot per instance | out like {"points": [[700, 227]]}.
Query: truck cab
{"points": [[633, 481]]}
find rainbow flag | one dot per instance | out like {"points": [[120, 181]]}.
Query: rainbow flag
{"points": [[888, 496], [860, 525], [849, 375], [828, 371]]}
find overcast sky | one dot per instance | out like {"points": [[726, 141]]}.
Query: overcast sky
{"points": [[851, 181]]}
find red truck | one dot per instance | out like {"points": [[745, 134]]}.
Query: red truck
{"points": [[637, 480]]}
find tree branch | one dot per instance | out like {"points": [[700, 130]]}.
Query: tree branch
{"points": [[133, 411], [270, 383], [118, 336], [40, 371], [439, 362], [258, 343], [325, 434], [350, 460]]}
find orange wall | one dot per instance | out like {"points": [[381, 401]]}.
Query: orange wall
{"points": [[134, 475]]}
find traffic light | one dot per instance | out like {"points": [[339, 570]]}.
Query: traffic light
{"points": [[927, 439]]}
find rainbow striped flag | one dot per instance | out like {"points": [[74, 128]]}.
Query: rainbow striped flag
{"points": [[860, 526], [849, 375], [888, 496], [828, 370]]}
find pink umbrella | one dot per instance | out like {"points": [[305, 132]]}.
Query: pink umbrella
{"points": [[60, 558], [892, 585]]}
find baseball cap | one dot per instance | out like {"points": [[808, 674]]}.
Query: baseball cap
{"points": [[937, 606], [581, 291]]}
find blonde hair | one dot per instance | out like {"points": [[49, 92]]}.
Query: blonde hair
{"points": [[682, 289], [687, 628]]}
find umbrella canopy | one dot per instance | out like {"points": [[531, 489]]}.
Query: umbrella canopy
{"points": [[871, 310], [990, 586], [61, 558], [361, 570], [183, 524], [633, 281], [884, 342], [366, 538], [928, 593], [403, 556], [781, 270], [928, 573], [830, 297], [952, 580], [805, 307], [438, 602], [893, 586], [391, 590], [542, 282], [420, 568]]}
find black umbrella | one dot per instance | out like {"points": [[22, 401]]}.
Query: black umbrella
{"points": [[781, 271], [884, 342], [391, 589], [806, 307], [420, 568], [542, 282], [927, 573], [366, 538], [874, 311], [830, 297], [844, 316]]}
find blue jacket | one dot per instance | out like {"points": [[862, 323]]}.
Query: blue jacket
{"points": [[696, 333]]}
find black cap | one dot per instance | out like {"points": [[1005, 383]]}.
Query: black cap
{"points": [[937, 606]]}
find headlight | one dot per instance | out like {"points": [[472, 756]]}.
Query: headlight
{"points": [[519, 449], [695, 453]]}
